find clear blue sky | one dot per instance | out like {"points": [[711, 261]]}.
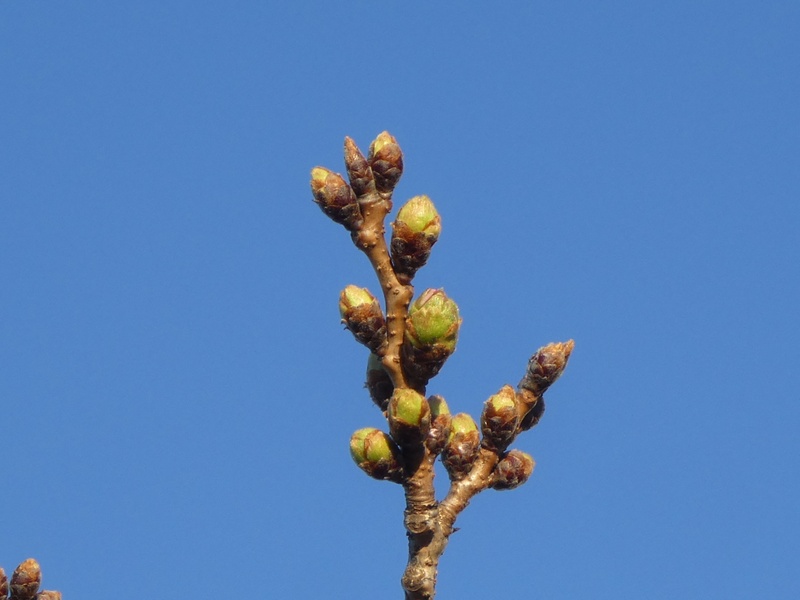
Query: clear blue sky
{"points": [[177, 391]]}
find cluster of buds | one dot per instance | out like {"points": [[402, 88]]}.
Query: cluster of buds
{"points": [[24, 583], [409, 340]]}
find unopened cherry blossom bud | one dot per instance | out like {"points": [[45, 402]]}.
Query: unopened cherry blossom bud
{"points": [[414, 232], [358, 170], [440, 424], [386, 159], [409, 417], [335, 198], [463, 446], [431, 334], [376, 454], [500, 419], [26, 580], [546, 366], [362, 315], [512, 471]]}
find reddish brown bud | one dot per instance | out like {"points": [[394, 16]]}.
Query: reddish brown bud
{"points": [[386, 160], [534, 415], [26, 580], [546, 366], [462, 446], [512, 471], [335, 198], [378, 383], [440, 424], [500, 419], [358, 169]]}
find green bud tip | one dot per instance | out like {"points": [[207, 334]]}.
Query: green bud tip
{"points": [[370, 445], [409, 407], [420, 216], [385, 140], [462, 424], [353, 296], [438, 406], [502, 400], [433, 319]]}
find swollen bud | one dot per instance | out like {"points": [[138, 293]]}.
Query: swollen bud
{"points": [[546, 366], [462, 448], [378, 383], [500, 419], [358, 169], [26, 580], [431, 335], [335, 198], [440, 425], [409, 417], [414, 233], [512, 471], [376, 454], [362, 315], [386, 160]]}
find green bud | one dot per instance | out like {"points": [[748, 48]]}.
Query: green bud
{"points": [[414, 233], [358, 170], [386, 160], [462, 448], [378, 383], [430, 337], [335, 198], [409, 416], [376, 454], [420, 216], [362, 315], [500, 419], [440, 424], [433, 319], [546, 366], [513, 470]]}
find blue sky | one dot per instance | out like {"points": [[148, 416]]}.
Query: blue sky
{"points": [[177, 391]]}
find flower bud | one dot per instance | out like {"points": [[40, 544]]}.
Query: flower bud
{"points": [[386, 160], [546, 366], [362, 315], [335, 198], [500, 419], [376, 454], [378, 383], [462, 448], [414, 233], [512, 471], [409, 417], [26, 580], [431, 335], [440, 424], [3, 584], [358, 169]]}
